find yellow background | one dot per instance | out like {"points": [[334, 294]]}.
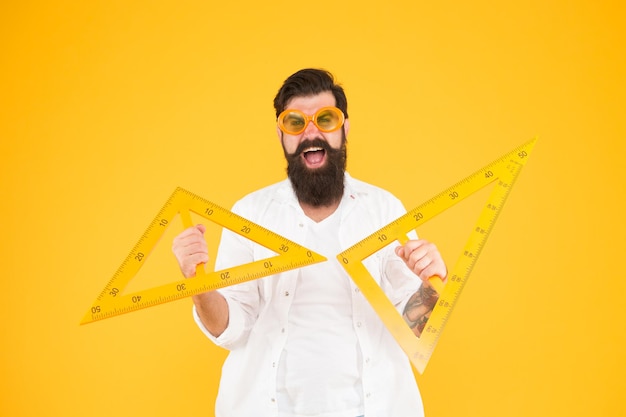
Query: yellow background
{"points": [[107, 106]]}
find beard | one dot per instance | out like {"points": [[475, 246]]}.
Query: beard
{"points": [[321, 186]]}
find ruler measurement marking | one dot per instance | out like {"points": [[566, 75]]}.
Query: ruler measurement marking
{"points": [[468, 259]]}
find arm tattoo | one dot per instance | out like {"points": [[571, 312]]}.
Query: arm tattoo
{"points": [[418, 308]]}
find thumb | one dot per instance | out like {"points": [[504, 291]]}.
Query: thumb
{"points": [[201, 228]]}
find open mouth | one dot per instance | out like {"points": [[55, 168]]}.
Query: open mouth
{"points": [[314, 156]]}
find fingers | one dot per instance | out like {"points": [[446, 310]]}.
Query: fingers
{"points": [[423, 258], [190, 249]]}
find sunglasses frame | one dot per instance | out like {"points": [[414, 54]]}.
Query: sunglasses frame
{"points": [[308, 119]]}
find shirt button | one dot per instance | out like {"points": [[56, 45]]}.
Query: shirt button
{"points": [[356, 290], [282, 330], [286, 293], [358, 324]]}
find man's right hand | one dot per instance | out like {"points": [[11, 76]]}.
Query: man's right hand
{"points": [[191, 250]]}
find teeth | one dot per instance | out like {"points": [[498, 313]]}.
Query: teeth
{"points": [[313, 149]]}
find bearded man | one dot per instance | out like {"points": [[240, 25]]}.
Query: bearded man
{"points": [[306, 342]]}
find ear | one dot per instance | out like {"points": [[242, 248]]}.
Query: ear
{"points": [[279, 133], [346, 127]]}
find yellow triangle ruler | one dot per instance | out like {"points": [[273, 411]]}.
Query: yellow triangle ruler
{"points": [[112, 301], [503, 172]]}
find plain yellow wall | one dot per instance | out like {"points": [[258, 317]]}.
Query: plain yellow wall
{"points": [[107, 106]]}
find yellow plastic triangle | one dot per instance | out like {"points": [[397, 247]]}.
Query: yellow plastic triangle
{"points": [[503, 172], [112, 301]]}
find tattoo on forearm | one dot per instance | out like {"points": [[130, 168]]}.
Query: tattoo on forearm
{"points": [[418, 308]]}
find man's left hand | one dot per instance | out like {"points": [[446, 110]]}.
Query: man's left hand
{"points": [[423, 258]]}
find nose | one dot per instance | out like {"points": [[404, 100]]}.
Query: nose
{"points": [[311, 131]]}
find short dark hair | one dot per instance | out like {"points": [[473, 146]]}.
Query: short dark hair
{"points": [[308, 82]]}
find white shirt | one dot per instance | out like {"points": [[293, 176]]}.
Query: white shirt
{"points": [[259, 311], [320, 368]]}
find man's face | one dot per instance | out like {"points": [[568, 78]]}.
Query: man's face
{"points": [[316, 159], [309, 105]]}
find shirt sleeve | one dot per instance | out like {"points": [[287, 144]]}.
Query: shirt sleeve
{"points": [[236, 324], [397, 280]]}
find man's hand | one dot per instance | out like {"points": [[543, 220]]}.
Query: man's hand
{"points": [[191, 250], [423, 258]]}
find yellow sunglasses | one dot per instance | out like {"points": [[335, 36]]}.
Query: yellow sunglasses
{"points": [[294, 122]]}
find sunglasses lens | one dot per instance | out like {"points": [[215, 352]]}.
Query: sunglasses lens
{"points": [[292, 122], [328, 119]]}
